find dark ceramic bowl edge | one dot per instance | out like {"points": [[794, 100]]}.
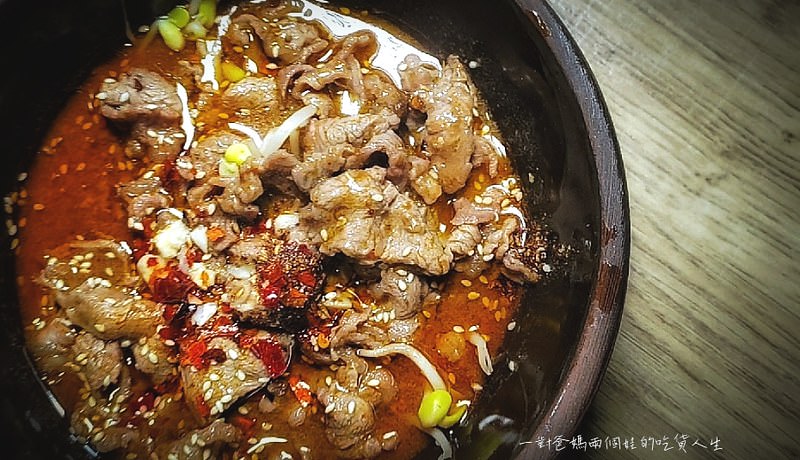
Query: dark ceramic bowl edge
{"points": [[594, 348]]}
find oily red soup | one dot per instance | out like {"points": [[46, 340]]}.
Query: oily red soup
{"points": [[257, 233]]}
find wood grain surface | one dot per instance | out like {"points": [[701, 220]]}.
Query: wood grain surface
{"points": [[705, 96]]}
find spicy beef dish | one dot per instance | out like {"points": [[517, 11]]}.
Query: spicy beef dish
{"points": [[244, 239]]}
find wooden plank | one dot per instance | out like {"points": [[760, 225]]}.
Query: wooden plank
{"points": [[705, 97]]}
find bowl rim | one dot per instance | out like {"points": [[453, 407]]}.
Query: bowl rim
{"points": [[582, 376]]}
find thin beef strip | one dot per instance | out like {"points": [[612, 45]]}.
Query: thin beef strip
{"points": [[350, 402], [143, 196], [230, 371], [72, 264], [346, 143], [109, 313], [100, 362], [400, 291], [154, 358], [52, 344], [361, 215], [450, 141], [288, 41], [201, 444], [150, 105], [343, 69]]}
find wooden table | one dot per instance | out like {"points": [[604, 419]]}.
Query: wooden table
{"points": [[705, 96]]}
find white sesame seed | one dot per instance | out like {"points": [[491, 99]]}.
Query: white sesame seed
{"points": [[511, 325], [233, 354], [389, 434], [213, 377], [351, 407], [153, 358], [225, 399], [406, 251], [324, 234], [373, 382], [377, 197], [458, 329], [402, 285], [329, 408], [240, 375]]}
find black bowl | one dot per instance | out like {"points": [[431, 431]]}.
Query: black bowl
{"points": [[557, 129]]}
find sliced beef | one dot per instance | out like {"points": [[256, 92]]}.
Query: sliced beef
{"points": [[350, 423], [499, 238], [100, 361], [361, 215], [108, 312], [344, 143], [354, 329], [377, 386], [238, 193], [103, 261], [51, 345], [424, 180], [449, 137], [140, 95], [252, 93], [203, 443], [158, 143], [86, 425], [288, 280], [343, 69], [416, 75], [398, 158], [150, 106], [321, 101], [400, 292], [532, 253], [143, 196], [99, 419], [288, 41], [93, 283], [486, 154], [202, 160], [350, 403], [467, 212], [234, 194], [155, 358], [228, 372], [464, 239], [383, 96]]}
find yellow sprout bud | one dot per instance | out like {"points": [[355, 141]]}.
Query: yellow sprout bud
{"points": [[434, 407], [237, 153], [232, 72]]}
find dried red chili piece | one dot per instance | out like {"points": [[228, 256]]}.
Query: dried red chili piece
{"points": [[170, 285], [272, 354]]}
